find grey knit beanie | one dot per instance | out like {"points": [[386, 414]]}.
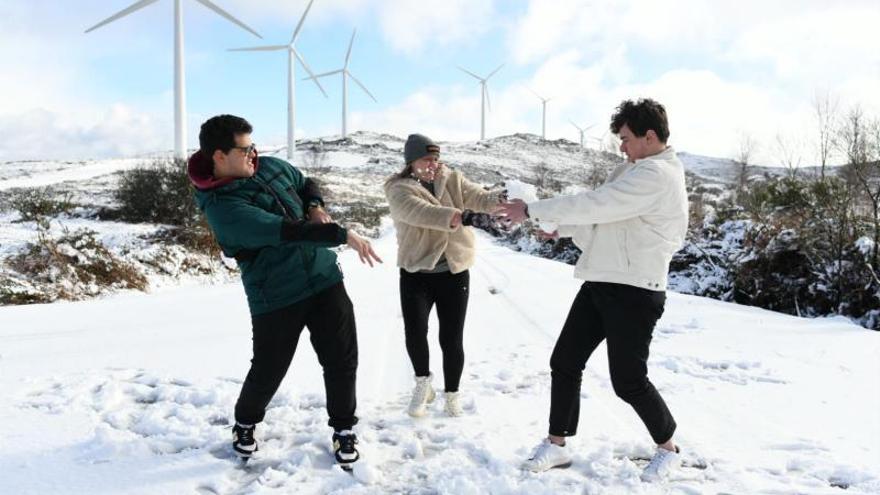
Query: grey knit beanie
{"points": [[418, 146]]}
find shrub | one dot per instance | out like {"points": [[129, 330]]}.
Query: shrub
{"points": [[159, 192], [33, 204]]}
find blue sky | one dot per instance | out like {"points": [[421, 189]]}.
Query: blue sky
{"points": [[721, 68]]}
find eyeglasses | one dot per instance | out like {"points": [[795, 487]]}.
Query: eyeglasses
{"points": [[247, 150]]}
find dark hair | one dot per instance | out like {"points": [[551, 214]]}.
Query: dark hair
{"points": [[641, 116], [218, 133]]}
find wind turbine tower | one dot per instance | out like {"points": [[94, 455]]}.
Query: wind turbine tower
{"points": [[543, 114], [484, 92], [292, 56], [179, 76], [582, 130], [345, 75]]}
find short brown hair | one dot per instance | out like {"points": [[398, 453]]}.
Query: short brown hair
{"points": [[641, 116]]}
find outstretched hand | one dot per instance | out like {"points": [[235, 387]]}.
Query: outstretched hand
{"points": [[363, 248], [512, 212]]}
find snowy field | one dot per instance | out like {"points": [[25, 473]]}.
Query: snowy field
{"points": [[134, 394]]}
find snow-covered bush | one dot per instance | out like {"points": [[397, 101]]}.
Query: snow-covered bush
{"points": [[40, 202], [73, 265]]}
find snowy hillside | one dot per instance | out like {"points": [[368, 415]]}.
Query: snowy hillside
{"points": [[133, 394]]}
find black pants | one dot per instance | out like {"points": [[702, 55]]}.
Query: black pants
{"points": [[419, 292], [329, 316], [625, 317]]}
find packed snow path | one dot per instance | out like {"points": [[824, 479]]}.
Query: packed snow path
{"points": [[134, 394]]}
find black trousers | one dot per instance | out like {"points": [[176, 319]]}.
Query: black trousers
{"points": [[419, 292], [329, 315], [624, 316]]}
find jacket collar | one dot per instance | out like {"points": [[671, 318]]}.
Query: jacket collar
{"points": [[201, 172], [439, 183]]}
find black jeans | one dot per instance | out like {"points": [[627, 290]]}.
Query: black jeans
{"points": [[329, 315], [419, 292], [624, 316]]}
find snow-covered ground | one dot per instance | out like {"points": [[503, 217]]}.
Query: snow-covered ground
{"points": [[134, 394]]}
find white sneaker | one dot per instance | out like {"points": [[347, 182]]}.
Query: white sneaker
{"points": [[547, 455], [662, 464], [422, 395], [453, 404]]}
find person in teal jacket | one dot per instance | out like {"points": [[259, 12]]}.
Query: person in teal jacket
{"points": [[271, 219]]}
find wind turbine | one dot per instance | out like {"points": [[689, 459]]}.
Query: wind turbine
{"points": [[582, 130], [179, 90], [543, 113], [291, 77], [345, 75], [484, 92]]}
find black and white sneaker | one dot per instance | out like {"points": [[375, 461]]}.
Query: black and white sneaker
{"points": [[344, 449], [243, 441]]}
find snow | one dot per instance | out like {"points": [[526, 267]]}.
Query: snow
{"points": [[865, 245], [134, 394], [517, 189], [38, 174]]}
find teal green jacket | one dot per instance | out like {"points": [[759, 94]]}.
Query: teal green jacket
{"points": [[260, 221]]}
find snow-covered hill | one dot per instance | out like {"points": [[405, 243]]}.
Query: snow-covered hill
{"points": [[134, 394]]}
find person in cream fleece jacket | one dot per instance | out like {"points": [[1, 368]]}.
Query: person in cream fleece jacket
{"points": [[432, 207], [628, 230]]}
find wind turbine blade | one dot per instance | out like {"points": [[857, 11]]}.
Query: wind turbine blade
{"points": [[269, 48], [309, 70], [488, 101], [494, 71], [348, 53], [122, 13], [576, 126], [470, 73], [362, 87], [536, 94], [337, 71], [301, 21], [229, 17]]}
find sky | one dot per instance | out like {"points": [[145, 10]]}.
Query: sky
{"points": [[723, 70]]}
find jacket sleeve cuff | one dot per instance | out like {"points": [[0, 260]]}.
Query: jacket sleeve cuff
{"points": [[302, 231]]}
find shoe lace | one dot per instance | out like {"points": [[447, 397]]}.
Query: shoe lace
{"points": [[420, 392], [347, 442], [540, 449], [658, 460], [245, 435]]}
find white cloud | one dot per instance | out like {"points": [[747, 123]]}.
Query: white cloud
{"points": [[409, 27], [44, 134], [719, 67]]}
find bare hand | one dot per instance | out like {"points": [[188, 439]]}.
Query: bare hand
{"points": [[456, 220], [513, 211], [318, 215], [548, 236], [363, 248]]}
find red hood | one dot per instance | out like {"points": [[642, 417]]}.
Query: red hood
{"points": [[201, 172]]}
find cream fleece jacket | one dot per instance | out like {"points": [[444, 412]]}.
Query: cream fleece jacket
{"points": [[422, 220]]}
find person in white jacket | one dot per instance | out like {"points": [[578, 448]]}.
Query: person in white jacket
{"points": [[628, 230]]}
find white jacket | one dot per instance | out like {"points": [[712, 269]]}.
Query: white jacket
{"points": [[628, 228]]}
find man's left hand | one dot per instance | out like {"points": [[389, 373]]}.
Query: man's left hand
{"points": [[318, 215]]}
